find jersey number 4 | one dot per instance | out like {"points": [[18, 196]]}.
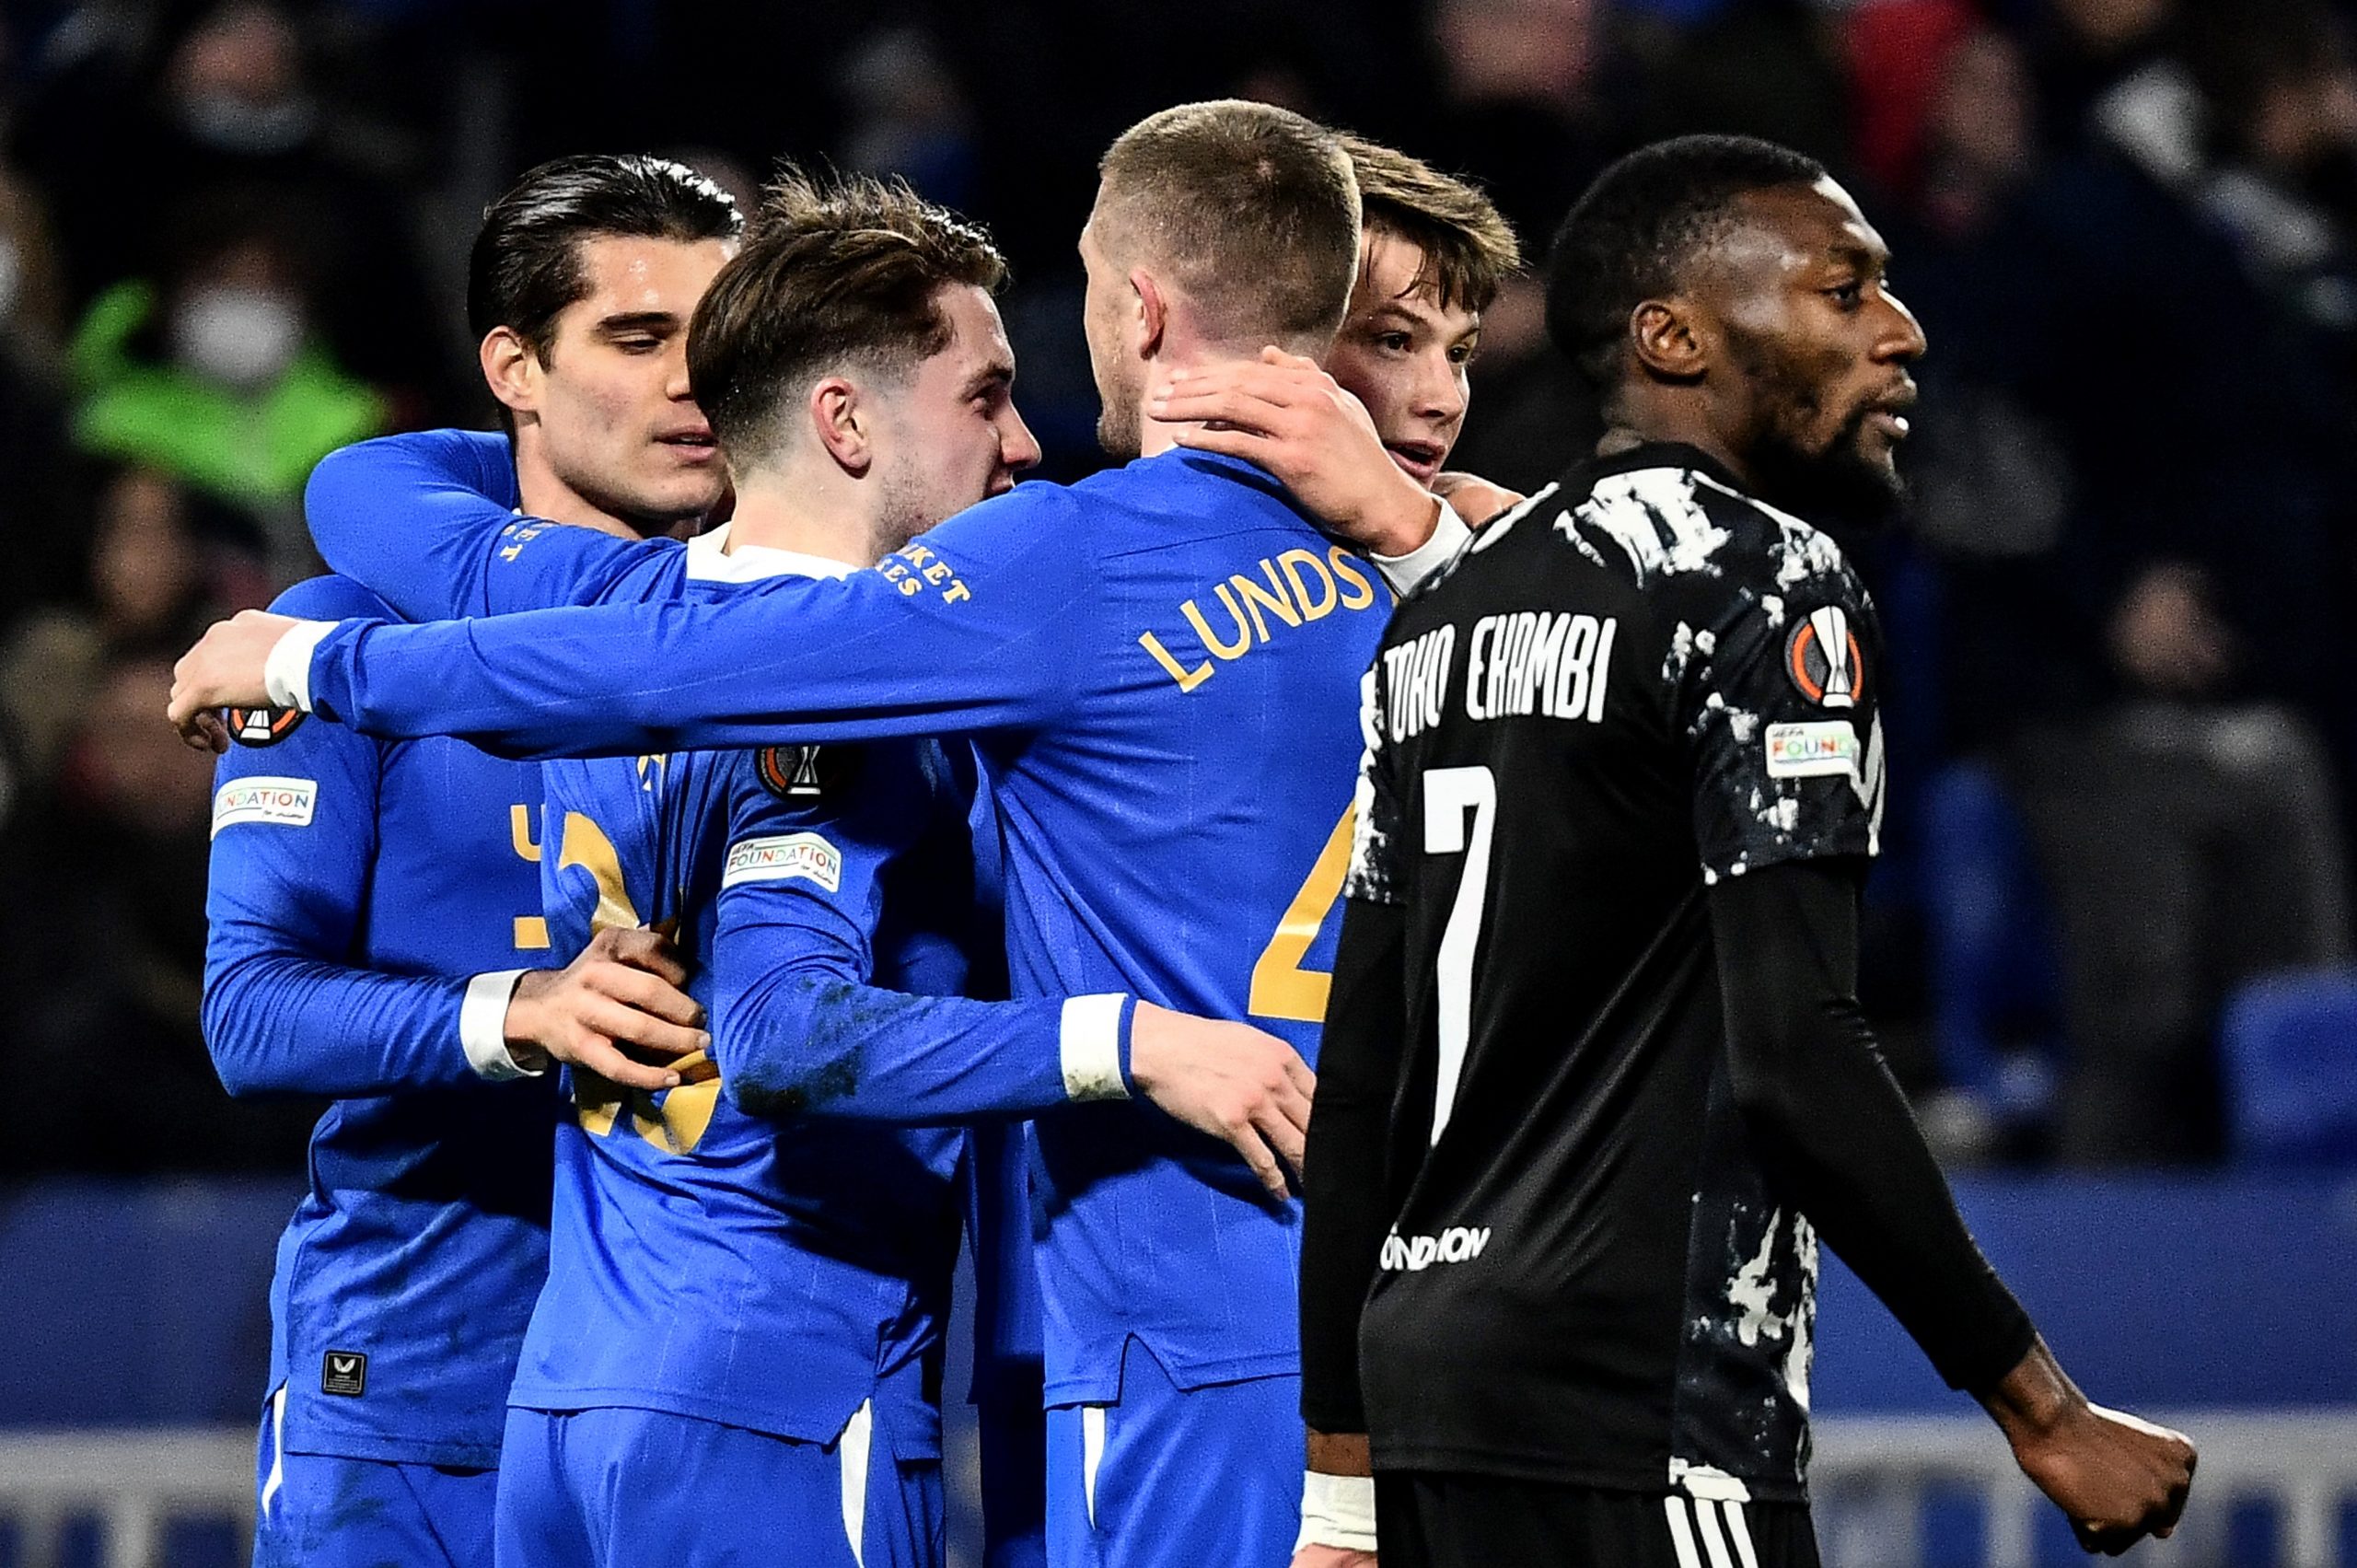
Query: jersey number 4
{"points": [[1280, 987]]}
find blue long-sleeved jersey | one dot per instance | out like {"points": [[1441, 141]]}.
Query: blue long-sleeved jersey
{"points": [[820, 898], [822, 1243], [1165, 660], [356, 887]]}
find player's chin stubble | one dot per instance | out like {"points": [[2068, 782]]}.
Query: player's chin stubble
{"points": [[1117, 426]]}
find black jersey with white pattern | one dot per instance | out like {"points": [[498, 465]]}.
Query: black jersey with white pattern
{"points": [[1638, 684]]}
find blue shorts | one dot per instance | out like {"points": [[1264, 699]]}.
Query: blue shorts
{"points": [[318, 1511], [1172, 1478], [619, 1488]]}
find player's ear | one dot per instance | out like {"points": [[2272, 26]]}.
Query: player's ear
{"points": [[842, 423], [1669, 340], [1152, 312], [511, 369]]}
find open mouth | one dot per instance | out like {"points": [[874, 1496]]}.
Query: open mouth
{"points": [[1420, 461]]}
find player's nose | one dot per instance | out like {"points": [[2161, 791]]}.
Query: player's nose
{"points": [[1018, 448], [1901, 335], [1440, 391]]}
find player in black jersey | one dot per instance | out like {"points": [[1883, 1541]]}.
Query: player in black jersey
{"points": [[1594, 1078]]}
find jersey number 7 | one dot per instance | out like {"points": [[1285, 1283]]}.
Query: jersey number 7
{"points": [[1449, 793]]}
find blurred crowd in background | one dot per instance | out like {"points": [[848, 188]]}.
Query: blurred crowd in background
{"points": [[233, 235]]}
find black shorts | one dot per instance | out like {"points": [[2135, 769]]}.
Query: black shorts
{"points": [[1429, 1520]]}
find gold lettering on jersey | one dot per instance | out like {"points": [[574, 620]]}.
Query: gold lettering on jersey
{"points": [[1415, 679], [519, 833], [1538, 662], [1280, 987], [916, 567], [1251, 609], [531, 931], [585, 844], [1187, 680]]}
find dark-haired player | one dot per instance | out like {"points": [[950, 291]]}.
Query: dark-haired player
{"points": [[1596, 1080], [371, 906]]}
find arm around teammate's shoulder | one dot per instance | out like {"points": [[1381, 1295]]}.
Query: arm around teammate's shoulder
{"points": [[992, 621], [414, 516]]}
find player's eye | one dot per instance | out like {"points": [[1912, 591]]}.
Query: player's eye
{"points": [[638, 343], [1393, 342], [1848, 296], [1463, 353]]}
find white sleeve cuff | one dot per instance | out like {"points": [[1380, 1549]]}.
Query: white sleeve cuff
{"points": [[1090, 1048], [482, 1027], [1336, 1511], [1405, 572], [286, 673]]}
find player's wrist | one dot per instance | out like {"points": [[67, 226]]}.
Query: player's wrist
{"points": [[2034, 1400], [1336, 1511], [495, 1018], [1399, 516], [1447, 536], [286, 671], [1093, 1039]]}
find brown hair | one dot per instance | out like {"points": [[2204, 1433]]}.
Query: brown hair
{"points": [[1249, 208], [1469, 249], [836, 271]]}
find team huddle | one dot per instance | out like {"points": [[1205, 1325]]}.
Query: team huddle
{"points": [[723, 846]]}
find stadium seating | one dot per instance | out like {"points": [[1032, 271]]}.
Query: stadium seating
{"points": [[2288, 1049]]}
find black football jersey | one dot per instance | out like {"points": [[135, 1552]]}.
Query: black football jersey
{"points": [[1638, 683]]}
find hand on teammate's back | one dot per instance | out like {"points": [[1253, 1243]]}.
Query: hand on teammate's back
{"points": [[622, 994], [1293, 419], [2118, 1478], [223, 670], [1242, 1085]]}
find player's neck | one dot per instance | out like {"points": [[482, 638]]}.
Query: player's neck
{"points": [[544, 494], [810, 513], [1156, 436], [1637, 427]]}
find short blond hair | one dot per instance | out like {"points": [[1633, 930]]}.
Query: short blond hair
{"points": [[1250, 208]]}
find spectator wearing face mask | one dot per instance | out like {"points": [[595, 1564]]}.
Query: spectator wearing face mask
{"points": [[216, 376], [129, 111]]}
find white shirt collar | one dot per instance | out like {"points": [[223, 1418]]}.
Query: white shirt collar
{"points": [[711, 560]]}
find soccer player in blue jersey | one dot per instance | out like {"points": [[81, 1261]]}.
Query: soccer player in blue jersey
{"points": [[1164, 662], [853, 366], [372, 906]]}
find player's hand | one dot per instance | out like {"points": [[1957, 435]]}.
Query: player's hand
{"points": [[2118, 1479], [1475, 498], [1332, 1557], [622, 994], [1293, 419], [1244, 1086], [223, 670]]}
